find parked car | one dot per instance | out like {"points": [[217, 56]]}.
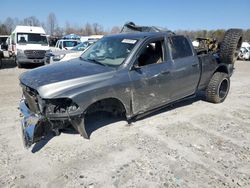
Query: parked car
{"points": [[244, 53], [65, 55], [28, 44], [66, 44], [127, 74]]}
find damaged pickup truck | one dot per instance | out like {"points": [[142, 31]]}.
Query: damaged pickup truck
{"points": [[126, 74]]}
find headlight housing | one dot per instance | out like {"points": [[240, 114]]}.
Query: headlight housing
{"points": [[62, 106], [20, 52], [58, 57]]}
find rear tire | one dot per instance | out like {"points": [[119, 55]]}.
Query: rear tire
{"points": [[1, 62], [230, 46], [19, 65], [218, 88]]}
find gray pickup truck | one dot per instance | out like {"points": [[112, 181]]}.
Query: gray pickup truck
{"points": [[126, 74]]}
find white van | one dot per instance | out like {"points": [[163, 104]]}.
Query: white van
{"points": [[28, 44]]}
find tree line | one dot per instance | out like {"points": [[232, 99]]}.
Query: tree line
{"points": [[52, 28]]}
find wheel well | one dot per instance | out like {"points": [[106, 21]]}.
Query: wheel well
{"points": [[111, 105], [222, 69]]}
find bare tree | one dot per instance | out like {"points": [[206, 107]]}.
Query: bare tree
{"points": [[51, 23], [247, 35], [58, 32], [115, 29], [3, 30], [68, 28], [88, 30], [97, 29], [9, 24], [31, 21]]}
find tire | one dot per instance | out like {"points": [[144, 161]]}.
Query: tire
{"points": [[230, 46], [218, 88], [19, 65], [1, 62]]}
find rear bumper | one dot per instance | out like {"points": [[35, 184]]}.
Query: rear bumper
{"points": [[29, 125]]}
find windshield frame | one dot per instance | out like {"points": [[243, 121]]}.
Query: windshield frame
{"points": [[91, 47], [31, 42]]}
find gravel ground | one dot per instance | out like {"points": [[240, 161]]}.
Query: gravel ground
{"points": [[190, 144]]}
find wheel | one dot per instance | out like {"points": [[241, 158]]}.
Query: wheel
{"points": [[230, 46], [1, 62], [19, 65], [218, 87]]}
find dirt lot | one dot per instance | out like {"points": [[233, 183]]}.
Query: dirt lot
{"points": [[191, 144]]}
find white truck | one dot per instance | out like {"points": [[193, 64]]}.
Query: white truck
{"points": [[28, 44], [66, 44]]}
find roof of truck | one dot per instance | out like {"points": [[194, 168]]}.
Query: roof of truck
{"points": [[29, 29], [139, 35]]}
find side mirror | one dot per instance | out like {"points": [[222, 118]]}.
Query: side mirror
{"points": [[136, 66]]}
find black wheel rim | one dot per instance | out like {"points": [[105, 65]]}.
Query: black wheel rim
{"points": [[223, 89]]}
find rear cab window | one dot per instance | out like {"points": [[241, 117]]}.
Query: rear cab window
{"points": [[180, 47]]}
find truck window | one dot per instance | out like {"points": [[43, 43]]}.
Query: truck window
{"points": [[69, 43], [60, 45], [180, 47], [152, 53]]}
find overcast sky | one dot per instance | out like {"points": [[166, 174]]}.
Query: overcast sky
{"points": [[174, 14]]}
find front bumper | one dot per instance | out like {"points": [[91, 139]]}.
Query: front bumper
{"points": [[21, 59], [30, 123], [35, 127]]}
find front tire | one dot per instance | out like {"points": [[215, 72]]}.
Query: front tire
{"points": [[218, 88], [1, 62], [19, 65]]}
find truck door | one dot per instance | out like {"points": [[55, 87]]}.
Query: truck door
{"points": [[185, 70], [148, 75]]}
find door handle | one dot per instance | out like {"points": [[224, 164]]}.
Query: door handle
{"points": [[162, 73], [165, 72], [195, 65]]}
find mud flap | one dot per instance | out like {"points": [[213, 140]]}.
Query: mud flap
{"points": [[79, 125]]}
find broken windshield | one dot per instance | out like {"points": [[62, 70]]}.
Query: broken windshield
{"points": [[110, 50]]}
